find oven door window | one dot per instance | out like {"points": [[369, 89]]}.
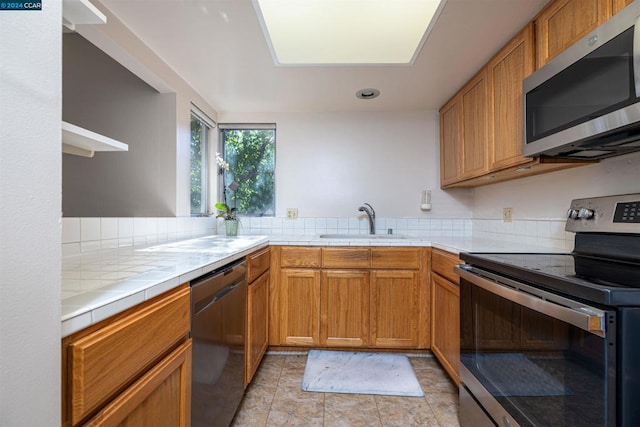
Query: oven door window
{"points": [[542, 371]]}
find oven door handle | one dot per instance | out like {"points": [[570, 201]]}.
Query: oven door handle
{"points": [[573, 312]]}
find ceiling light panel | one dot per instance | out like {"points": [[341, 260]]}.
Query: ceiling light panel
{"points": [[345, 31]]}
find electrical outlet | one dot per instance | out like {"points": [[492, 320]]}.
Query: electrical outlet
{"points": [[507, 214], [292, 213]]}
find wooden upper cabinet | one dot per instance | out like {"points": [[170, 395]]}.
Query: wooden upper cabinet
{"points": [[618, 5], [474, 127], [564, 22], [450, 141], [506, 71]]}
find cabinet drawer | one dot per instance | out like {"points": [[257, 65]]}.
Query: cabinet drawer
{"points": [[442, 262], [160, 397], [257, 263], [395, 258], [299, 256], [108, 359], [346, 257]]}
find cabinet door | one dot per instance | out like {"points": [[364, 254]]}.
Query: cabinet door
{"points": [[161, 397], [474, 127], [257, 324], [299, 307], [445, 324], [618, 5], [564, 22], [450, 142], [506, 71], [344, 308], [124, 348], [395, 308]]}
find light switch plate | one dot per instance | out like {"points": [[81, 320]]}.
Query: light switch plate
{"points": [[507, 214]]}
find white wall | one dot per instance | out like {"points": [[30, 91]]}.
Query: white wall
{"points": [[122, 44], [328, 164], [548, 196], [30, 162], [101, 95]]}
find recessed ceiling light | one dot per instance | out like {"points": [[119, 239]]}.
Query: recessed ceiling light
{"points": [[320, 32], [367, 93]]}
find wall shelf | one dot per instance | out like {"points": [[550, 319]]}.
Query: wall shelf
{"points": [[75, 12], [83, 142]]}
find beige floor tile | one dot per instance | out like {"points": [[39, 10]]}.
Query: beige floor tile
{"points": [[275, 398], [350, 410], [293, 407], [445, 407], [405, 411]]}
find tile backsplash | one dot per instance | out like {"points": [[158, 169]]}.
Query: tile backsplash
{"points": [[332, 225], [548, 233], [91, 234]]}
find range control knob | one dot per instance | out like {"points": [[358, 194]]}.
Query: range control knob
{"points": [[572, 213], [586, 213]]}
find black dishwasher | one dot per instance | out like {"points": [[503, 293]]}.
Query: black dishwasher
{"points": [[218, 313]]}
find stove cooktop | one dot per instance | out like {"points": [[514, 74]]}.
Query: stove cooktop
{"points": [[593, 279]]}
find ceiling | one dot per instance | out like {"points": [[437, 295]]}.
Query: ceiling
{"points": [[219, 48]]}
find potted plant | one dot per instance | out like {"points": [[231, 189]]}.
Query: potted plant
{"points": [[230, 216]]}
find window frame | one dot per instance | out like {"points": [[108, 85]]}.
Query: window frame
{"points": [[207, 127], [221, 142]]}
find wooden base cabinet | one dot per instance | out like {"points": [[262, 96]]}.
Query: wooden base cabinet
{"points": [[257, 325], [445, 312], [162, 397], [299, 308], [134, 366], [344, 308], [395, 308], [257, 332], [349, 297]]}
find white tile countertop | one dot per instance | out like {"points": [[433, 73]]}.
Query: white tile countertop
{"points": [[97, 285]]}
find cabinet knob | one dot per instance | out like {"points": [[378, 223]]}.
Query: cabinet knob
{"points": [[586, 213], [572, 213]]}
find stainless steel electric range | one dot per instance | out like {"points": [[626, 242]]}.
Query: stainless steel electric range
{"points": [[554, 339]]}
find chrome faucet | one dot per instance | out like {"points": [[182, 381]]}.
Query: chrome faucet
{"points": [[371, 215]]}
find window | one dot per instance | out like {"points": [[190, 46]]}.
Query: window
{"points": [[200, 129], [249, 182]]}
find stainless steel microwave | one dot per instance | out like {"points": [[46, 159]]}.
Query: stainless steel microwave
{"points": [[585, 103]]}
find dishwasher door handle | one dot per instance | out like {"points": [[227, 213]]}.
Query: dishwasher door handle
{"points": [[205, 304]]}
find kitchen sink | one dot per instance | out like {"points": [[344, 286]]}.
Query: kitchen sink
{"points": [[362, 236]]}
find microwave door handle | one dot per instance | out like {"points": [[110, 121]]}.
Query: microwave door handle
{"points": [[586, 318], [636, 56]]}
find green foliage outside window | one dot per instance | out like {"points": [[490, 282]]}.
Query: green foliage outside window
{"points": [[249, 183], [198, 166]]}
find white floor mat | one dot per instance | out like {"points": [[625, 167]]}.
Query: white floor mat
{"points": [[360, 373]]}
